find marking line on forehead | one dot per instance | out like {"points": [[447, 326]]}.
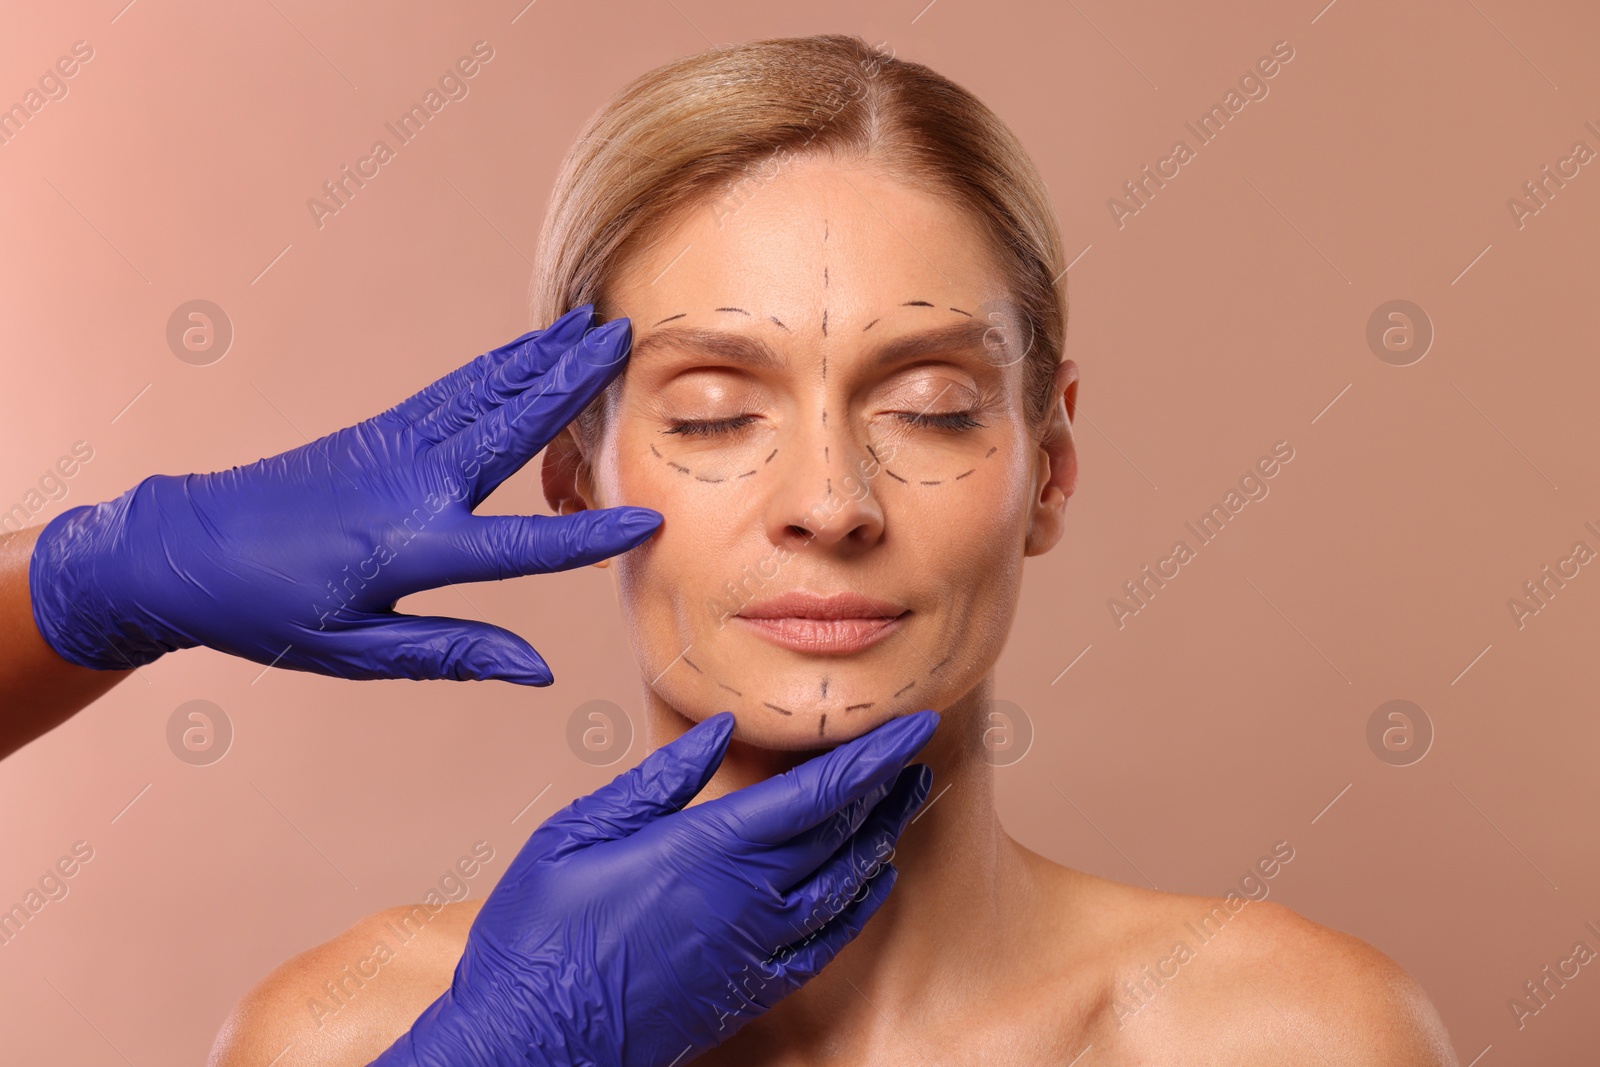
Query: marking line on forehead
{"points": [[752, 351]]}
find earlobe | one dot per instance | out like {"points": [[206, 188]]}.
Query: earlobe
{"points": [[562, 476], [1058, 464]]}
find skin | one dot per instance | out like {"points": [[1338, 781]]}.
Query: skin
{"points": [[985, 952], [38, 689]]}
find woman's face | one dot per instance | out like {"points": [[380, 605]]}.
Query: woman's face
{"points": [[824, 401]]}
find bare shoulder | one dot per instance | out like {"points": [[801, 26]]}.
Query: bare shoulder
{"points": [[1254, 982], [345, 1001]]}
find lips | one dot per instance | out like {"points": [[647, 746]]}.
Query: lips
{"points": [[809, 622]]}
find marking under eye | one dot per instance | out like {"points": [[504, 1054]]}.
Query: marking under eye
{"points": [[916, 304]]}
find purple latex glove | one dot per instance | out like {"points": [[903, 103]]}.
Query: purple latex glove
{"points": [[298, 560], [631, 931]]}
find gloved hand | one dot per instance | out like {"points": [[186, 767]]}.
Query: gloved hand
{"points": [[297, 560], [630, 933]]}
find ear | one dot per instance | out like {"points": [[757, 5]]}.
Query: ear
{"points": [[1058, 464], [565, 476]]}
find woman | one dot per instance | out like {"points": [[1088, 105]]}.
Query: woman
{"points": [[846, 398]]}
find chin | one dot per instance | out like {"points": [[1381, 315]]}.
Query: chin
{"points": [[807, 730]]}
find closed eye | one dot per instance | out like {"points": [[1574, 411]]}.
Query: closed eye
{"points": [[953, 420]]}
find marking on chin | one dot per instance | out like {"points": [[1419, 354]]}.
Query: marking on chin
{"points": [[774, 707], [858, 707], [903, 688], [730, 689]]}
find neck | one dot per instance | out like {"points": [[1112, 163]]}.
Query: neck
{"points": [[946, 920]]}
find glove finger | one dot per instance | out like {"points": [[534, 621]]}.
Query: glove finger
{"points": [[431, 396], [662, 783], [813, 903], [521, 363], [773, 811], [498, 445], [428, 647], [491, 547], [800, 962]]}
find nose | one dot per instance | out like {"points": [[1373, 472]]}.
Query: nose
{"points": [[824, 494]]}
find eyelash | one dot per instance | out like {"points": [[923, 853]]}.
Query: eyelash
{"points": [[954, 420]]}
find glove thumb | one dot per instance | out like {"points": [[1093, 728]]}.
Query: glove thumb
{"points": [[425, 647], [661, 784]]}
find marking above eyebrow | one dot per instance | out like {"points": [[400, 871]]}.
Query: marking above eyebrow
{"points": [[774, 318], [752, 351], [741, 311], [669, 318]]}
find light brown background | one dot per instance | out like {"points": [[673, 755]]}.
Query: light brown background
{"points": [[1222, 318]]}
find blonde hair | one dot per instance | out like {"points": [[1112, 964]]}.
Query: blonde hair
{"points": [[707, 125]]}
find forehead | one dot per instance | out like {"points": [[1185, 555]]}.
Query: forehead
{"points": [[812, 235]]}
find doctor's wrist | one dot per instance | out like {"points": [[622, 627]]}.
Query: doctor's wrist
{"points": [[81, 580]]}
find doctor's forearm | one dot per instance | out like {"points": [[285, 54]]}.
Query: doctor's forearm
{"points": [[38, 689]]}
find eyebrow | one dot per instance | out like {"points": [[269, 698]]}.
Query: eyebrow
{"points": [[752, 351]]}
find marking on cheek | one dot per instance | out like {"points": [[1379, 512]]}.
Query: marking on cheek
{"points": [[774, 707], [731, 689], [992, 450], [903, 688], [747, 474], [669, 318], [774, 452], [690, 662], [958, 477]]}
